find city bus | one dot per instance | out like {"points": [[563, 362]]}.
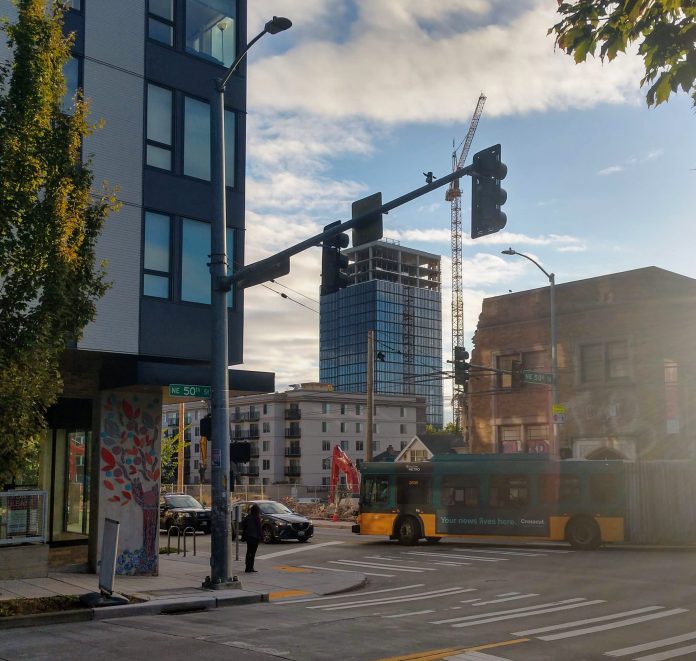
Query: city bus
{"points": [[526, 497]]}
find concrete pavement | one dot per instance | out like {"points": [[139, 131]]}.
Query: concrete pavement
{"points": [[178, 586]]}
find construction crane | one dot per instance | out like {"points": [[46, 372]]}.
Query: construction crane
{"points": [[341, 463], [454, 195]]}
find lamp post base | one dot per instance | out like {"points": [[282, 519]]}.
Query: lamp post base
{"points": [[222, 584]]}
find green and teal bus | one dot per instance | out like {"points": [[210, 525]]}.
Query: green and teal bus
{"points": [[526, 497]]}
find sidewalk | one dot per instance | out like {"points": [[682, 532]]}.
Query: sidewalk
{"points": [[178, 586]]}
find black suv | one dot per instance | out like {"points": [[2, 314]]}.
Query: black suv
{"points": [[184, 511], [278, 522]]}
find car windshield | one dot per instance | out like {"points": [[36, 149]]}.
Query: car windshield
{"points": [[274, 508], [183, 501]]}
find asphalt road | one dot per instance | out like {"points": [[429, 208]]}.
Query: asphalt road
{"points": [[425, 602]]}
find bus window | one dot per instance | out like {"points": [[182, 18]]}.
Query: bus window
{"points": [[559, 488], [508, 491], [459, 491], [603, 488], [375, 490], [413, 490]]}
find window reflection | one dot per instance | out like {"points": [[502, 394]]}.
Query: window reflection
{"points": [[196, 139], [195, 275], [71, 73], [211, 29], [159, 127], [156, 255]]}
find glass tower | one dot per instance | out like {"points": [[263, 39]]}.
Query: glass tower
{"points": [[394, 291]]}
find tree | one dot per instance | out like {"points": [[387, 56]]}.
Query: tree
{"points": [[664, 30], [49, 225]]}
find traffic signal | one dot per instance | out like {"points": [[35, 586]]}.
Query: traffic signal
{"points": [[486, 194], [205, 426], [240, 452], [334, 262], [461, 367]]}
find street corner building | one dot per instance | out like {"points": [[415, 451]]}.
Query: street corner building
{"points": [[626, 369], [148, 69]]}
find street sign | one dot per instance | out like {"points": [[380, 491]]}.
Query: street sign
{"points": [[537, 377], [558, 408], [559, 418], [181, 390]]}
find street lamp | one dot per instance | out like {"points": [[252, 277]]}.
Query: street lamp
{"points": [[220, 451], [554, 359]]}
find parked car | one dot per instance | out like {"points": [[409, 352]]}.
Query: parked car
{"points": [[184, 511], [278, 522]]}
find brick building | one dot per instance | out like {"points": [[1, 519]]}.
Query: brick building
{"points": [[626, 368]]}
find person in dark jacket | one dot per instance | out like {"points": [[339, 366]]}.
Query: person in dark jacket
{"points": [[251, 529]]}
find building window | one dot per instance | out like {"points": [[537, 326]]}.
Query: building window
{"points": [[196, 138], [375, 446], [509, 438], [74, 4], [160, 21], [159, 127], [343, 409], [358, 409], [71, 73], [343, 428], [195, 464], [211, 30], [417, 455], [402, 412], [325, 407], [156, 255], [266, 427], [326, 464], [537, 437], [375, 430], [197, 448], [324, 481], [326, 446], [359, 446], [402, 429], [265, 409], [266, 464], [266, 446], [324, 427], [602, 362], [344, 446], [404, 444], [358, 427], [617, 360], [230, 146]]}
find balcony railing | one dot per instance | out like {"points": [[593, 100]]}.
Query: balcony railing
{"points": [[245, 416], [293, 452], [254, 453], [293, 432], [293, 414], [292, 471], [245, 435], [249, 470]]}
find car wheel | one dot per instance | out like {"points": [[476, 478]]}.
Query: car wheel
{"points": [[267, 536], [583, 533]]}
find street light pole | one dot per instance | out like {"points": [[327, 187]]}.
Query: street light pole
{"points": [[220, 543], [554, 341]]}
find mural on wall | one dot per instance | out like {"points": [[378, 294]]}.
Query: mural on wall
{"points": [[130, 470]]}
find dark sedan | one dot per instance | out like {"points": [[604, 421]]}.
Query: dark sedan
{"points": [[184, 511], [278, 522]]}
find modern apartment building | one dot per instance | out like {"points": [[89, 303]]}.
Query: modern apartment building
{"points": [[148, 68], [394, 291], [626, 368], [292, 433]]}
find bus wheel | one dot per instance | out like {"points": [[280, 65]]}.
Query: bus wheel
{"points": [[583, 533], [407, 531], [433, 540]]}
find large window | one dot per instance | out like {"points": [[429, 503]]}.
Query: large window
{"points": [[156, 255], [71, 73], [211, 29], [160, 21], [460, 491], [600, 362], [159, 127], [508, 491], [196, 138]]}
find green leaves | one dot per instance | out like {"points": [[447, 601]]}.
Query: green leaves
{"points": [[663, 30]]}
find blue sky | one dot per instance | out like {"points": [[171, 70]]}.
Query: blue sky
{"points": [[364, 95]]}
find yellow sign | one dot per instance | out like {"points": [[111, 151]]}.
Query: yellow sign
{"points": [[559, 408]]}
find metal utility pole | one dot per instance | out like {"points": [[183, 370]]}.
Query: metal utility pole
{"points": [[370, 393], [180, 454]]}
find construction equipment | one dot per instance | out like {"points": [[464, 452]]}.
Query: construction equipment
{"points": [[453, 195], [342, 463]]}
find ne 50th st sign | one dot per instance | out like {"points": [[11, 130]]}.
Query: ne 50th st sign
{"points": [[182, 390]]}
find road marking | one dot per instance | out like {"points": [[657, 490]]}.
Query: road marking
{"points": [[296, 549], [603, 618], [670, 654], [408, 614], [514, 616], [343, 596], [456, 556], [356, 563], [476, 656], [513, 610], [284, 594], [507, 594], [614, 625], [453, 564], [292, 569], [627, 651], [498, 601], [352, 571], [438, 655], [392, 600], [522, 553]]}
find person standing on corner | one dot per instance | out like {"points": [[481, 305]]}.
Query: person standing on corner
{"points": [[251, 530]]}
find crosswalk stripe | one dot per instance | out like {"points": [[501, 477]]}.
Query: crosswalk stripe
{"points": [[374, 565], [614, 625], [457, 556], [389, 600], [669, 654], [408, 614], [475, 656], [572, 600], [343, 596], [522, 553], [512, 598], [602, 618], [453, 564], [627, 651], [296, 549], [367, 573], [381, 558]]}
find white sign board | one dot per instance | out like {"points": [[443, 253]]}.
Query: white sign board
{"points": [[107, 566]]}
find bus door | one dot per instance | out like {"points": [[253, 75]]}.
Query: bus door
{"points": [[414, 493], [377, 506]]}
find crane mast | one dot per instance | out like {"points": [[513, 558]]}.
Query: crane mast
{"points": [[453, 195]]}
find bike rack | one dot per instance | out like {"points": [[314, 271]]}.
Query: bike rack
{"points": [[192, 531], [188, 530]]}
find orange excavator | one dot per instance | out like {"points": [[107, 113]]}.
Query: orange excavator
{"points": [[342, 463]]}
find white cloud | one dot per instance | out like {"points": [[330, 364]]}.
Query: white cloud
{"points": [[612, 169]]}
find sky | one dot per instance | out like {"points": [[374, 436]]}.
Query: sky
{"points": [[361, 96]]}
